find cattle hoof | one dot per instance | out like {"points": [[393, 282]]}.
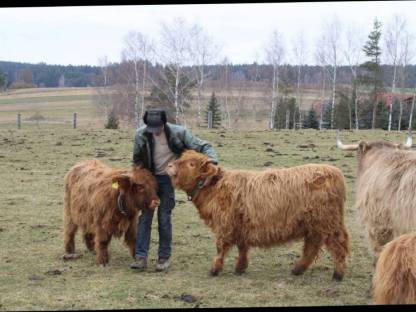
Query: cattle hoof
{"points": [[337, 276], [298, 271], [71, 256], [213, 272], [239, 271]]}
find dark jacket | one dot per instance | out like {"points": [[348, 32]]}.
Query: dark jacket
{"points": [[179, 139]]}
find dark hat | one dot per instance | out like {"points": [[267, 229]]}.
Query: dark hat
{"points": [[154, 120]]}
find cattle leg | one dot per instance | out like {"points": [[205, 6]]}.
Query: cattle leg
{"points": [[102, 239], [338, 246], [222, 249], [130, 238], [70, 230], [378, 237], [89, 241], [242, 259], [311, 247]]}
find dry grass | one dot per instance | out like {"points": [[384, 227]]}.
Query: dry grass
{"points": [[33, 162], [32, 165]]}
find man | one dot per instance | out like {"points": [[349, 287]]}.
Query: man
{"points": [[156, 144]]}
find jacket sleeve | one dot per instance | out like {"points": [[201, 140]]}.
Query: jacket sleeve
{"points": [[196, 144], [138, 145]]}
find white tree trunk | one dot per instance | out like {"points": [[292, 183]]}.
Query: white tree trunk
{"points": [[412, 109], [176, 95], [298, 97], [137, 93], [273, 106], [334, 78], [356, 107], [200, 85], [143, 94], [393, 90]]}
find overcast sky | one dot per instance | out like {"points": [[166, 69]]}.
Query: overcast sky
{"points": [[80, 35]]}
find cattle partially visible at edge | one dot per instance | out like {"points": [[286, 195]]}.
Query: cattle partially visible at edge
{"points": [[394, 280], [249, 208], [385, 189], [103, 202]]}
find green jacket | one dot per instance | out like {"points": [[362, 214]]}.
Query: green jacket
{"points": [[179, 139]]}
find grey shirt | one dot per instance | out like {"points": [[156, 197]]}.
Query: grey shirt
{"points": [[162, 154]]}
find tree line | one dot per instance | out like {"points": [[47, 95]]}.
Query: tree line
{"points": [[178, 66]]}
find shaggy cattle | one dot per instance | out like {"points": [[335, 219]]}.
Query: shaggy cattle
{"points": [[103, 202], [251, 208], [394, 281], [385, 189]]}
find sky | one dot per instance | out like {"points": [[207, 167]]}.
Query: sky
{"points": [[81, 35]]}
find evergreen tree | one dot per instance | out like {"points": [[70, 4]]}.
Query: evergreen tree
{"points": [[310, 120], [112, 120], [342, 111], [214, 108], [373, 75], [3, 80]]}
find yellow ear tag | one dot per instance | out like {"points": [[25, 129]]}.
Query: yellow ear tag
{"points": [[115, 185]]}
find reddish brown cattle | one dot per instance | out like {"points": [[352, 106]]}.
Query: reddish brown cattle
{"points": [[394, 280], [103, 202], [251, 208]]}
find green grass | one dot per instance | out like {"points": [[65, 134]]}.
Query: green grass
{"points": [[33, 162]]}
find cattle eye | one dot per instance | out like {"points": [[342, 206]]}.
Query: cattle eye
{"points": [[138, 187], [192, 164]]}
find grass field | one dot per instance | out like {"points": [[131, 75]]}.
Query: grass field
{"points": [[34, 160]]}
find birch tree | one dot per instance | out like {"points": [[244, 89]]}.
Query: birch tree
{"points": [[352, 52], [332, 30], [322, 61], [225, 88], [299, 51], [406, 55], [137, 50], [174, 52], [275, 55], [203, 51], [393, 36]]}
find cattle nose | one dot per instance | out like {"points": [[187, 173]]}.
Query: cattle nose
{"points": [[170, 169]]}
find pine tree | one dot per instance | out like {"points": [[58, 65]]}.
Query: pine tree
{"points": [[3, 80], [310, 120], [112, 120], [372, 67], [214, 108]]}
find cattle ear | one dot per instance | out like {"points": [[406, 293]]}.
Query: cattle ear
{"points": [[209, 169], [121, 181], [363, 146]]}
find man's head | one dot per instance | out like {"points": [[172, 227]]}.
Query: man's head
{"points": [[155, 120]]}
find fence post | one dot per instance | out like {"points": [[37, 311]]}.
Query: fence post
{"points": [[19, 121], [287, 118], [209, 119], [75, 120]]}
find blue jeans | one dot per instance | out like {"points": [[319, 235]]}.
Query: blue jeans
{"points": [[166, 194]]}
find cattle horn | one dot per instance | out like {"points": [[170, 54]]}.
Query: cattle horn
{"points": [[351, 147]]}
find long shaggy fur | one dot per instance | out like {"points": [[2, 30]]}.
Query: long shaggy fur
{"points": [[251, 208], [394, 281], [385, 192], [90, 203]]}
